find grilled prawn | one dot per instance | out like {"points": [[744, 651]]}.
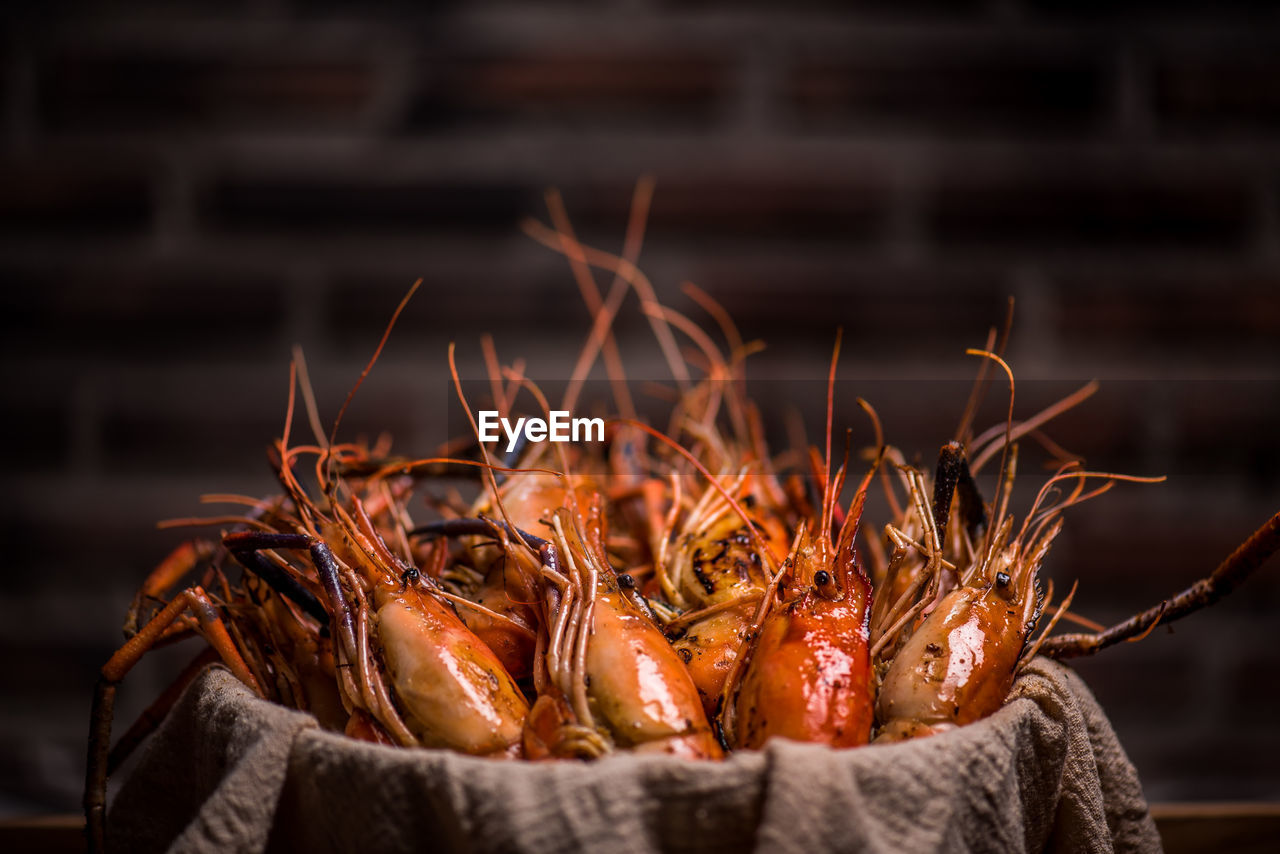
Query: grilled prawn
{"points": [[716, 577], [610, 664], [809, 676]]}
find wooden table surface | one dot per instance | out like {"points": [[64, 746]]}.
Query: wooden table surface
{"points": [[1242, 828], [1237, 827]]}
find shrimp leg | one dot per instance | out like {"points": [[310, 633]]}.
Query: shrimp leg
{"points": [[473, 527], [192, 599], [244, 548], [1239, 565]]}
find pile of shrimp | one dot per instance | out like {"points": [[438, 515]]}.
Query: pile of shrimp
{"points": [[678, 589]]}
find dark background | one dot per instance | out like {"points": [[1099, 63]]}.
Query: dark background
{"points": [[187, 189]]}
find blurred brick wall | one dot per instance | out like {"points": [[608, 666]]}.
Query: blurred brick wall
{"points": [[186, 189]]}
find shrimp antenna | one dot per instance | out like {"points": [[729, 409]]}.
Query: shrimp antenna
{"points": [[308, 396], [854, 516], [717, 365], [494, 368], [722, 318], [827, 499], [333, 434], [484, 451], [737, 354], [564, 474], [638, 281], [286, 475], [1067, 473], [761, 546], [979, 390], [1031, 425], [1004, 452], [606, 344]]}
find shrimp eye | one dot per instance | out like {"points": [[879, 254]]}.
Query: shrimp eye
{"points": [[409, 577], [626, 581], [822, 578], [1002, 579]]}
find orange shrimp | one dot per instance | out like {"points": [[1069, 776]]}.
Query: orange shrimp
{"points": [[227, 619], [211, 622], [807, 676], [610, 666], [452, 686], [970, 630], [960, 663], [717, 578], [452, 689], [438, 685], [307, 653], [508, 620]]}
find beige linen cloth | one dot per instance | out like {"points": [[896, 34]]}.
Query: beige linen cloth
{"points": [[228, 772]]}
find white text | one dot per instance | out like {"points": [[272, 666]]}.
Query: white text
{"points": [[561, 428]]}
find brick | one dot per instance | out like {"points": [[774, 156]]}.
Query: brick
{"points": [[170, 311], [452, 303], [1236, 91], [1111, 429], [40, 430], [86, 546], [385, 404], [1225, 764], [325, 205], [61, 196], [1175, 9], [1222, 425], [1168, 312], [48, 666], [910, 8], [44, 724], [599, 85], [1069, 207], [1251, 682], [201, 423], [1127, 425], [949, 90], [1131, 682], [149, 91], [918, 416], [717, 204], [46, 765], [1137, 545], [1190, 430], [1104, 9], [189, 419], [728, 205], [160, 441], [777, 298]]}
